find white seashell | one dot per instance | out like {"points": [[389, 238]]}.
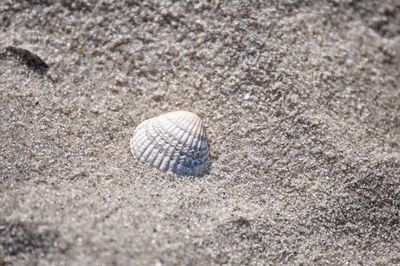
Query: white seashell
{"points": [[174, 141]]}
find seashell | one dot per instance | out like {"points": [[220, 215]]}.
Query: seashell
{"points": [[174, 142]]}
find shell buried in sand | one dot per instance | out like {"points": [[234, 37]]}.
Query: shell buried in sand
{"points": [[174, 142]]}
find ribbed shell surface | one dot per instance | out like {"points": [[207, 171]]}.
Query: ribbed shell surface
{"points": [[174, 141]]}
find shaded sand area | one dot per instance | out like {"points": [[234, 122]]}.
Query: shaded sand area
{"points": [[301, 101]]}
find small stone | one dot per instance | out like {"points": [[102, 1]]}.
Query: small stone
{"points": [[28, 58]]}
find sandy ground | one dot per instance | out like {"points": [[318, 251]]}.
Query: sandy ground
{"points": [[301, 100]]}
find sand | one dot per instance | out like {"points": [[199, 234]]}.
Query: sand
{"points": [[301, 103]]}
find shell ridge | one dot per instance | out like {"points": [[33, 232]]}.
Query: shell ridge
{"points": [[179, 145], [144, 156], [161, 132]]}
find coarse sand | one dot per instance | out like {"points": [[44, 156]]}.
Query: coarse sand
{"points": [[301, 103]]}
